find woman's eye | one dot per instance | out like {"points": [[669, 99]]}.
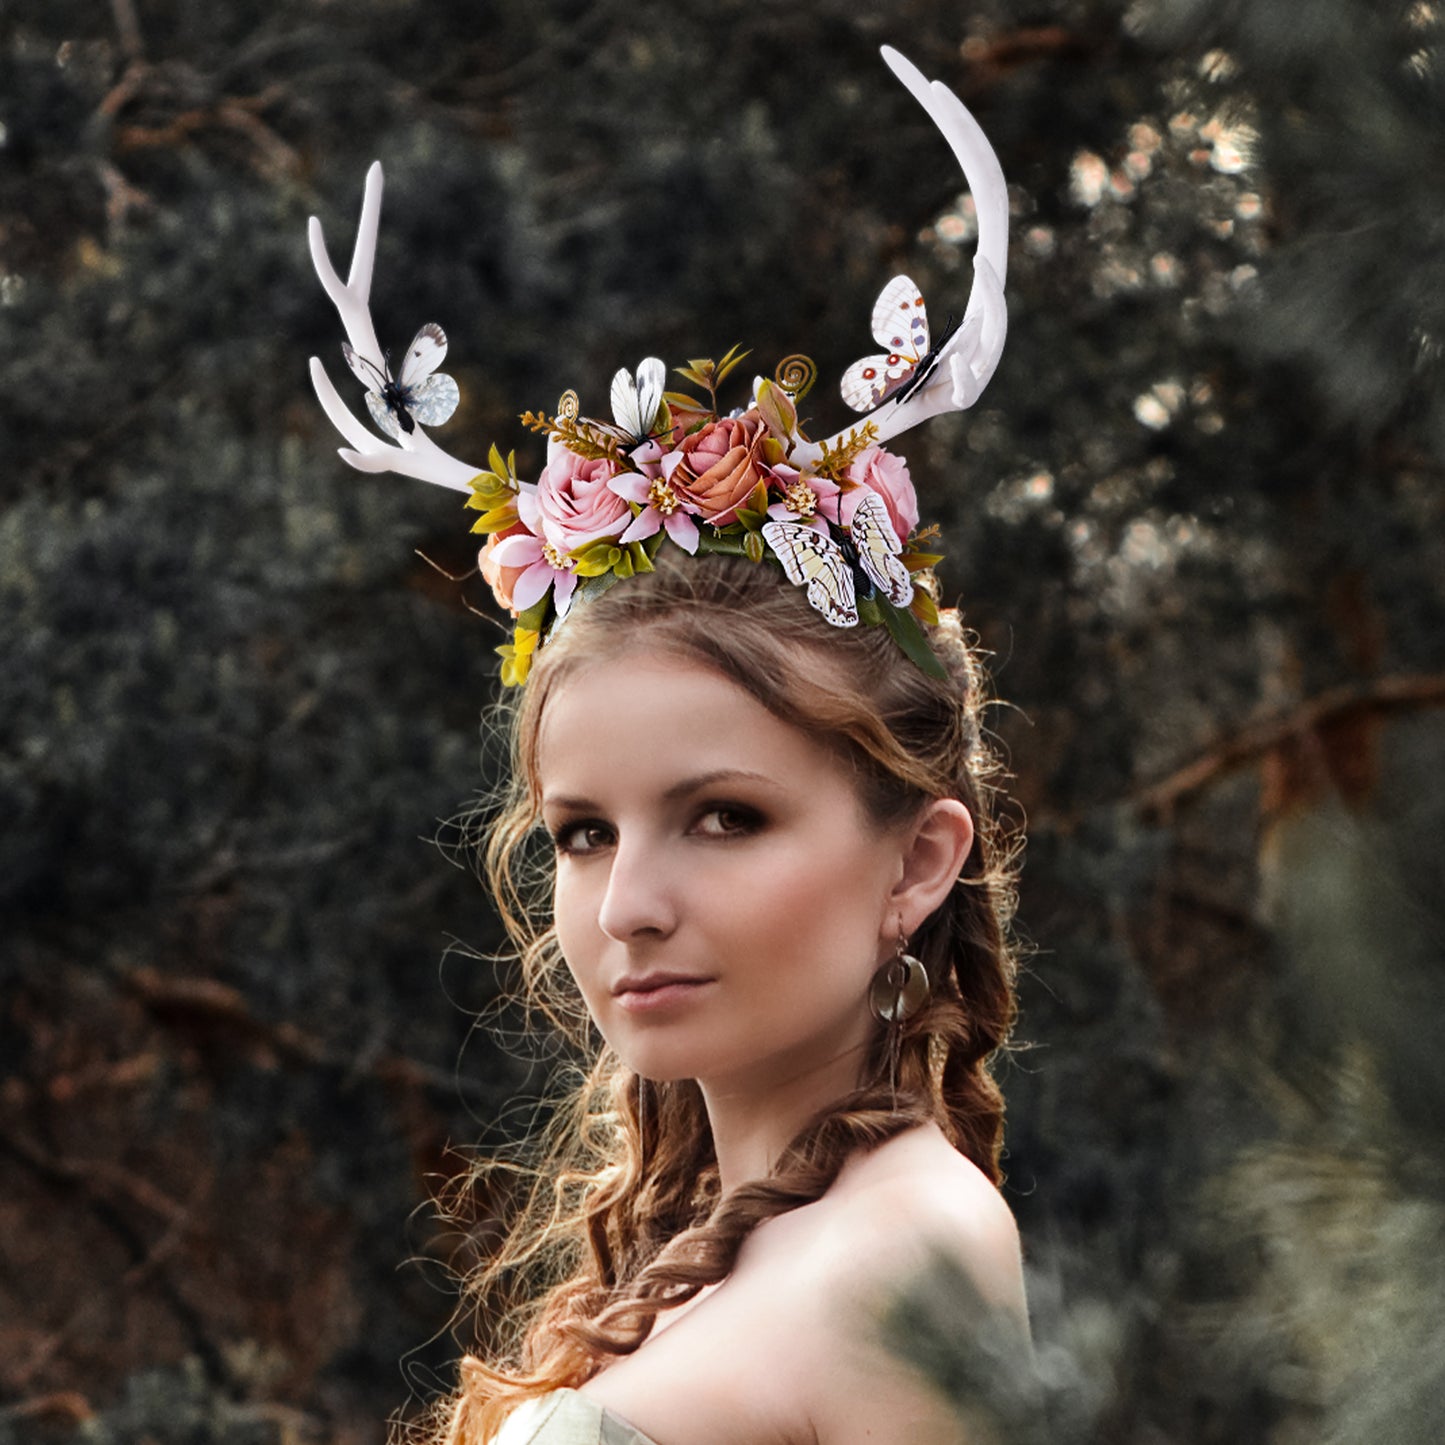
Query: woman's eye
{"points": [[583, 837], [727, 821]]}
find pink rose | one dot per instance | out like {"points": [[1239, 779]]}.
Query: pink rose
{"points": [[575, 505], [880, 471], [716, 468]]}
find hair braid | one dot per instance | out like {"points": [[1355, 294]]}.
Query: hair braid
{"points": [[706, 1254]]}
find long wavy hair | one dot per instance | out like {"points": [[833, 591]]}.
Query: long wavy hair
{"points": [[618, 1216]]}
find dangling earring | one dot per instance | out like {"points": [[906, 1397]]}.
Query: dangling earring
{"points": [[899, 990]]}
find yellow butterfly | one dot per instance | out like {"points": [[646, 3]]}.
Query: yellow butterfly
{"points": [[829, 569]]}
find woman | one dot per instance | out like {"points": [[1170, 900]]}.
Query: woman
{"points": [[777, 886]]}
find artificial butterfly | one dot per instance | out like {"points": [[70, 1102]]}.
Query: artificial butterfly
{"points": [[829, 569], [900, 322], [636, 403], [419, 394], [636, 400]]}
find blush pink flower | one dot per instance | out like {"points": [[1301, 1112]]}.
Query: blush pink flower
{"points": [[663, 508], [575, 505], [809, 501], [880, 471], [526, 562]]}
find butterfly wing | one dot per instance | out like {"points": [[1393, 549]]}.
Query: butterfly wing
{"points": [[432, 402], [900, 322], [635, 400], [383, 415], [878, 547], [900, 319], [427, 351], [866, 382], [368, 373], [817, 562]]}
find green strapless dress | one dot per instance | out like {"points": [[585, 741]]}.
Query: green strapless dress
{"points": [[565, 1417]]}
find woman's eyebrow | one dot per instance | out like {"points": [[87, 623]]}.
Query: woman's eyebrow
{"points": [[710, 779], [568, 804], [681, 789]]}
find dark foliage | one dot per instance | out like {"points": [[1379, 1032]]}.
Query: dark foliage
{"points": [[1199, 518]]}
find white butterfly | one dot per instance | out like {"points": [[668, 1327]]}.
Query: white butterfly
{"points": [[827, 568], [900, 322], [419, 394], [636, 400]]}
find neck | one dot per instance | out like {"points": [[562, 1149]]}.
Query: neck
{"points": [[754, 1120]]}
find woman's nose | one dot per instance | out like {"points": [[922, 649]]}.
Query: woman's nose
{"points": [[638, 901]]}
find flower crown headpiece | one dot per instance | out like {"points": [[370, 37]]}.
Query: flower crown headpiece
{"points": [[839, 516]]}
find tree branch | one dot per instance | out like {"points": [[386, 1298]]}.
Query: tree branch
{"points": [[1382, 696]]}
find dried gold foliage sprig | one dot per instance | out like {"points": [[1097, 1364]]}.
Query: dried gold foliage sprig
{"points": [[578, 435], [835, 461]]}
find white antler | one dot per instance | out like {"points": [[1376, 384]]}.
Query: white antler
{"points": [[967, 360], [418, 456]]}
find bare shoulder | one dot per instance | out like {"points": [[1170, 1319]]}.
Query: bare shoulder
{"points": [[916, 1197], [842, 1263]]}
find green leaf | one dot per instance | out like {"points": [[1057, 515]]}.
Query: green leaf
{"points": [[596, 586], [776, 408], [532, 619], [910, 637], [917, 561], [754, 512], [754, 546], [734, 356], [495, 520], [924, 608], [730, 544], [596, 558]]}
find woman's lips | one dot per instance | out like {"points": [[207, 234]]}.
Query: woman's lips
{"points": [[655, 993]]}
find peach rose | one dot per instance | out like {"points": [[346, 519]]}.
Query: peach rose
{"points": [[716, 468], [502, 580], [880, 471], [575, 505]]}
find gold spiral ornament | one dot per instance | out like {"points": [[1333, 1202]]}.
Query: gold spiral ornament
{"points": [[796, 375], [569, 406]]}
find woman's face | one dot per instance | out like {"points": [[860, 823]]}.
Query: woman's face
{"points": [[721, 897]]}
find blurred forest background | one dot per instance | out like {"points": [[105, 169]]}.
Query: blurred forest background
{"points": [[1198, 518]]}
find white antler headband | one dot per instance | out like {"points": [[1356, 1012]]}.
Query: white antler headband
{"points": [[839, 515], [418, 455]]}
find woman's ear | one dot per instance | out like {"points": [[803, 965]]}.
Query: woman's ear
{"points": [[936, 846]]}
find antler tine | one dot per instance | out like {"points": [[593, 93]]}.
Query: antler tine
{"points": [[419, 457], [967, 361], [352, 298]]}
